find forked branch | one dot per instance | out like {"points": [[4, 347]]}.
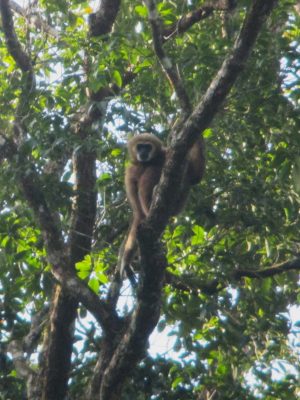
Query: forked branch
{"points": [[206, 109]]}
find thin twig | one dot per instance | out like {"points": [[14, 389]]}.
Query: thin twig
{"points": [[185, 22], [34, 19]]}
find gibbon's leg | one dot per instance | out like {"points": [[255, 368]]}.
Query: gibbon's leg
{"points": [[196, 162], [131, 185], [128, 252], [140, 197], [147, 183], [124, 268], [130, 245]]}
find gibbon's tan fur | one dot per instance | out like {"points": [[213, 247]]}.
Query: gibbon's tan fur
{"points": [[147, 155]]}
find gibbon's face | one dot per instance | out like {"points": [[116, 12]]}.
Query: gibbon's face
{"points": [[144, 152]]}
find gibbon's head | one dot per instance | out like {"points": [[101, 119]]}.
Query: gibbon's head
{"points": [[144, 148]]}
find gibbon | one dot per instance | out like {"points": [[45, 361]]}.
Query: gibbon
{"points": [[147, 155]]}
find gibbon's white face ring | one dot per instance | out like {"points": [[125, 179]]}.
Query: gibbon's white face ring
{"points": [[144, 152]]}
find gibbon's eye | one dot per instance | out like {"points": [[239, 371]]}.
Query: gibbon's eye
{"points": [[143, 151]]}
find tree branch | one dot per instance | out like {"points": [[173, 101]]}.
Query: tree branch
{"points": [[56, 254], [14, 47], [166, 63], [23, 61], [113, 89], [193, 284], [16, 349], [34, 19], [275, 269], [56, 250], [132, 346], [36, 328], [188, 20], [101, 22]]}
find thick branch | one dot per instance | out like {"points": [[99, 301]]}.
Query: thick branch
{"points": [[84, 203], [37, 325], [23, 370], [18, 349], [170, 70], [132, 347], [14, 47], [101, 22]]}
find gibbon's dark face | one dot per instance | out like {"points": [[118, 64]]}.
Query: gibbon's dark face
{"points": [[144, 152]]}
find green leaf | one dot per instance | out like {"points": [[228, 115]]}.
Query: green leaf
{"points": [[84, 267], [102, 277], [118, 78], [177, 382], [94, 285], [141, 11], [199, 235], [104, 177], [116, 152]]}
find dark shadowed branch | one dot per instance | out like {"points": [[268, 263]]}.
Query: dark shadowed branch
{"points": [[14, 47], [101, 22], [18, 348], [170, 70], [195, 16], [293, 265], [191, 283], [23, 61], [56, 251], [113, 90]]}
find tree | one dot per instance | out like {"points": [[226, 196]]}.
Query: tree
{"points": [[73, 88]]}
